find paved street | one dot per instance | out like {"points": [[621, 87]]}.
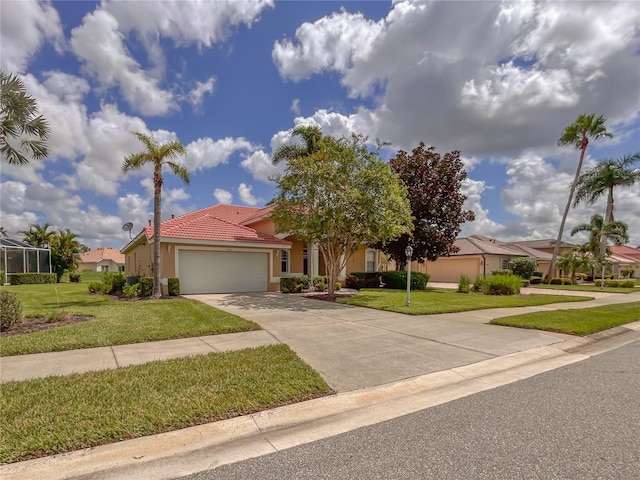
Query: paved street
{"points": [[577, 422]]}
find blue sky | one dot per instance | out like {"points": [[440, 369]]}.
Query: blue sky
{"points": [[230, 80]]}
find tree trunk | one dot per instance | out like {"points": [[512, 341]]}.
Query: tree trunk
{"points": [[157, 199], [556, 248]]}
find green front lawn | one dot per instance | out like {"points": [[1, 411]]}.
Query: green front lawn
{"points": [[442, 300], [586, 288], [60, 414], [113, 322], [576, 322]]}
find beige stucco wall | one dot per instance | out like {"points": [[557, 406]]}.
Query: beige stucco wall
{"points": [[449, 269], [265, 226]]}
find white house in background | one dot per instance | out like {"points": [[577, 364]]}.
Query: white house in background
{"points": [[103, 259]]}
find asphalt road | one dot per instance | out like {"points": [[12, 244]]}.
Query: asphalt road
{"points": [[577, 422]]}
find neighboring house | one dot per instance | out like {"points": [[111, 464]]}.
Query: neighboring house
{"points": [[479, 256], [103, 259], [624, 258], [229, 248]]}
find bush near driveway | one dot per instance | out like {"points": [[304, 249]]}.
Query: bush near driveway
{"points": [[59, 414], [116, 322]]}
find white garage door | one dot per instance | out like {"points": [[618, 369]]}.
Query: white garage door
{"points": [[222, 272]]}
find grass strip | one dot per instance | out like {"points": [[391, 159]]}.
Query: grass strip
{"points": [[114, 322], [586, 288], [442, 300], [60, 414], [576, 322]]}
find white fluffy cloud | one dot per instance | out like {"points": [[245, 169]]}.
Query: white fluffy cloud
{"points": [[197, 94], [100, 45], [24, 27], [223, 196], [244, 192], [208, 153]]}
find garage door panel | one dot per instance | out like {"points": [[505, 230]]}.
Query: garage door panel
{"points": [[222, 272]]}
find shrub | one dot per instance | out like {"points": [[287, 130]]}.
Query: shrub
{"points": [[1, 277], [32, 278], [131, 291], [337, 286], [560, 281], [320, 286], [502, 285], [523, 267], [398, 280], [616, 283], [464, 284], [10, 310], [581, 276], [535, 280], [174, 286], [99, 288], [318, 279], [358, 280], [146, 286], [478, 284], [501, 272], [114, 282], [525, 282], [74, 277], [536, 273], [292, 284], [627, 273]]}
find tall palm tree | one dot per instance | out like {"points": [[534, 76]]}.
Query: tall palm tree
{"points": [[311, 136], [38, 235], [604, 177], [157, 155], [3, 233], [586, 126], [20, 122], [600, 233]]}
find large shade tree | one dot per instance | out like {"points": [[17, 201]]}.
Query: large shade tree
{"points": [[433, 183], [22, 129], [157, 156], [340, 196], [585, 127]]}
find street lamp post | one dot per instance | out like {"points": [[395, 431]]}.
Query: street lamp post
{"points": [[408, 252]]}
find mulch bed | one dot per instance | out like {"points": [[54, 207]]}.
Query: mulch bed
{"points": [[35, 324], [329, 298]]}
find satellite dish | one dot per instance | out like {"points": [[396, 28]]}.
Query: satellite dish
{"points": [[127, 228]]}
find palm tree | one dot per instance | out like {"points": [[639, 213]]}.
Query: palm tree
{"points": [[65, 250], [311, 136], [573, 261], [19, 121], [3, 233], [157, 155], [604, 177], [601, 232], [578, 134], [38, 235]]}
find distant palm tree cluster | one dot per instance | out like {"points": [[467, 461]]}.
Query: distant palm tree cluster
{"points": [[589, 187]]}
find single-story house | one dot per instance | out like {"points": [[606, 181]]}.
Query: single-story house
{"points": [[230, 248], [103, 259], [623, 259], [478, 256]]}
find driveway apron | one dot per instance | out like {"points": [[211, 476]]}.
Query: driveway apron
{"points": [[355, 347]]}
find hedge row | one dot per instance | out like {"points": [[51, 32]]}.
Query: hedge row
{"points": [[32, 278], [616, 283], [393, 279]]}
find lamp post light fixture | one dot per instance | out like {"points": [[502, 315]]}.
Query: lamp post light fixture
{"points": [[408, 252]]}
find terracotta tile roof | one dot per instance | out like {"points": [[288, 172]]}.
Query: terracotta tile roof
{"points": [[102, 253], [620, 258], [475, 246], [218, 223], [625, 250], [544, 243], [259, 215]]}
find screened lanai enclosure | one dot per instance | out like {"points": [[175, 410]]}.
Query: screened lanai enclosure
{"points": [[20, 257]]}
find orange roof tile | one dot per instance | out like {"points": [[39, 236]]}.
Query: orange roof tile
{"points": [[102, 253], [216, 223]]}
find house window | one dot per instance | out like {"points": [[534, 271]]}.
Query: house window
{"points": [[505, 264], [370, 259], [284, 261]]}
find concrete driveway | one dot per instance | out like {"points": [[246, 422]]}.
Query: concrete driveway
{"points": [[354, 347]]}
